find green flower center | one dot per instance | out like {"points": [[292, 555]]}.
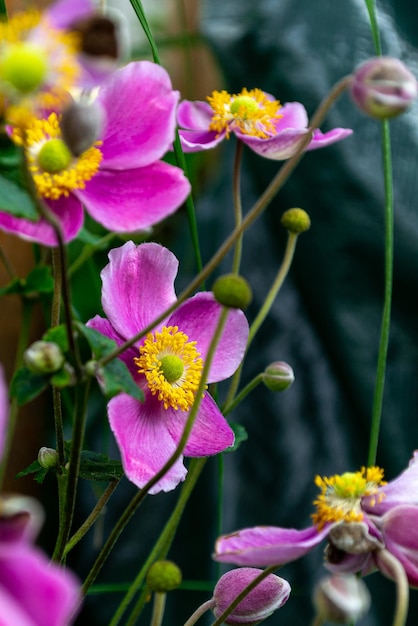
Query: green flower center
{"points": [[243, 106], [172, 367], [24, 66], [54, 156]]}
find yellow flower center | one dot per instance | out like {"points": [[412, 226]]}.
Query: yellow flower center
{"points": [[54, 170], [249, 112], [24, 66], [341, 495], [172, 367]]}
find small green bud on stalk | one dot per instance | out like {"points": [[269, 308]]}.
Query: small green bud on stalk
{"points": [[232, 291], [296, 221], [342, 599], [47, 458], [43, 357], [278, 376], [163, 576]]}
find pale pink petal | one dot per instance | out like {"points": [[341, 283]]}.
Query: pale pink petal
{"points": [[198, 317], [64, 13], [194, 115], [33, 588], [131, 200], [138, 284], [195, 141], [321, 140], [400, 532], [267, 545], [352, 564], [210, 434], [278, 147], [68, 210], [293, 115], [104, 327], [401, 490], [140, 107], [144, 441]]}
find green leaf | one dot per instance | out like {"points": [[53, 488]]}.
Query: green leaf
{"points": [[36, 469], [58, 335], [25, 386], [39, 280], [240, 436], [63, 378], [115, 376], [15, 198], [95, 466]]}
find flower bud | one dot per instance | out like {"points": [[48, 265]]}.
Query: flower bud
{"points": [[278, 376], [383, 87], [233, 291], [43, 357], [81, 125], [342, 599], [163, 576], [47, 457], [296, 220], [260, 603]]}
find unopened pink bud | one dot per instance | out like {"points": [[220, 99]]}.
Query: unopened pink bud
{"points": [[383, 87], [260, 603], [342, 599]]}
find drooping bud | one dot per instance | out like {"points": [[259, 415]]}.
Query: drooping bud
{"points": [[296, 220], [270, 594], [163, 576], [47, 457], [342, 599], [43, 357], [278, 376], [383, 87], [82, 125], [232, 291]]}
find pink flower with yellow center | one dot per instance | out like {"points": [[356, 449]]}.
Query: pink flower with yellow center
{"points": [[256, 118], [138, 285], [360, 515], [120, 179]]}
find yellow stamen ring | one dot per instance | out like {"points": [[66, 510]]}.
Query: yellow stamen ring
{"points": [[250, 112], [172, 367], [341, 495]]}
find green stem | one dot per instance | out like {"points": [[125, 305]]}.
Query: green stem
{"points": [[236, 186], [55, 320], [221, 619], [84, 528], [371, 8], [397, 572], [88, 251], [201, 610], [3, 8], [242, 394], [158, 608], [255, 212], [161, 547], [136, 501]]}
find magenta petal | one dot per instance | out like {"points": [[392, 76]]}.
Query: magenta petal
{"points": [[293, 116], [138, 284], [198, 317], [104, 327], [34, 591], [194, 115], [400, 531], [210, 434], [68, 210], [144, 442], [130, 200], [140, 107], [278, 147], [320, 140], [267, 545], [64, 13], [401, 490], [196, 140]]}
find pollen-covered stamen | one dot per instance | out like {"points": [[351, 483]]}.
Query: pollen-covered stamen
{"points": [[341, 495], [172, 367], [250, 112], [54, 169]]}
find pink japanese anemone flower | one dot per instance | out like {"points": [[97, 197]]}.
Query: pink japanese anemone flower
{"points": [[361, 516], [120, 179], [33, 591], [138, 285], [270, 130]]}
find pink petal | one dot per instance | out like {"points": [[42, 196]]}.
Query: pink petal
{"points": [[195, 141], [130, 200], [401, 490], [68, 210], [320, 140], [267, 545], [198, 317], [210, 434], [194, 115], [401, 539], [144, 441], [64, 13], [278, 147], [33, 589], [138, 284], [104, 327], [140, 107], [293, 116]]}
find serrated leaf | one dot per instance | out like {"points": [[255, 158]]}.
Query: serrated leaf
{"points": [[26, 386], [15, 285], [240, 436], [36, 469], [95, 466], [115, 376], [58, 335]]}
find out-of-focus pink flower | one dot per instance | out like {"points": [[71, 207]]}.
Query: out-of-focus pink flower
{"points": [[358, 513], [270, 130], [138, 285], [120, 180]]}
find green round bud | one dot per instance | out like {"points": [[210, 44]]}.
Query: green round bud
{"points": [[47, 457], [43, 357], [296, 220], [163, 576], [278, 376], [232, 291]]}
